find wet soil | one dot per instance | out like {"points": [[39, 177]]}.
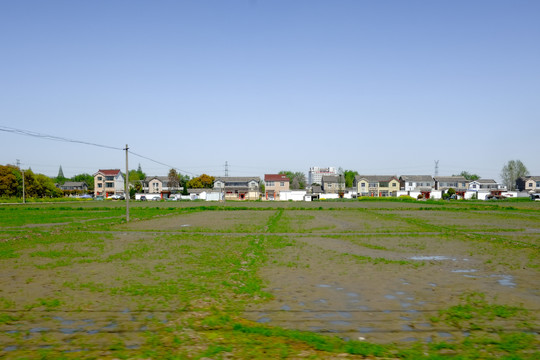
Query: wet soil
{"points": [[388, 287]]}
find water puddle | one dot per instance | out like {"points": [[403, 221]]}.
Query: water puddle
{"points": [[365, 330], [340, 322], [505, 280], [444, 334], [264, 320], [409, 339], [432, 258], [38, 330]]}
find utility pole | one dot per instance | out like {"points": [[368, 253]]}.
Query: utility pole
{"points": [[22, 171], [126, 191]]}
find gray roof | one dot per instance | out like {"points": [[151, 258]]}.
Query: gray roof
{"points": [[534, 178], [486, 181], [160, 178], [74, 183], [237, 178], [450, 178], [416, 178], [332, 178], [375, 178], [198, 191]]}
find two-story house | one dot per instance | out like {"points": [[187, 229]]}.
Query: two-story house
{"points": [[483, 185], [459, 183], [528, 183], [376, 185], [160, 185], [108, 182], [333, 184], [418, 184], [238, 187], [274, 184]]}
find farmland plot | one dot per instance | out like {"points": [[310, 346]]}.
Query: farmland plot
{"points": [[378, 279]]}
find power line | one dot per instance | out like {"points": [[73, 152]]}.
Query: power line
{"points": [[63, 139], [160, 163], [53, 137]]}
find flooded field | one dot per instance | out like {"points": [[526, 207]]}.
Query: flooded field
{"points": [[187, 282]]}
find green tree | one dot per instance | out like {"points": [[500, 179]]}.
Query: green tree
{"points": [[349, 177], [141, 174], [86, 178], [200, 182], [9, 180], [468, 176], [183, 179], [512, 171], [47, 187], [38, 186], [136, 179], [296, 179], [174, 180]]}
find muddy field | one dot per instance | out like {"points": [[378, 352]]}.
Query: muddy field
{"points": [[382, 273], [381, 278]]}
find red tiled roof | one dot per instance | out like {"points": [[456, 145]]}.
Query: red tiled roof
{"points": [[109, 172], [275, 177]]}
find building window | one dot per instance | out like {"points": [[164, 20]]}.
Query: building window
{"points": [[282, 183], [393, 184], [109, 185], [99, 178], [100, 185], [269, 183]]}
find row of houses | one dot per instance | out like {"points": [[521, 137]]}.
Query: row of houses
{"points": [[277, 187]]}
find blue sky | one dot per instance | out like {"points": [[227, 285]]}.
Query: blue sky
{"points": [[380, 87]]}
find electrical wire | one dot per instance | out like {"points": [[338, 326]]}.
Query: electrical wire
{"points": [[160, 163], [63, 139], [53, 137]]}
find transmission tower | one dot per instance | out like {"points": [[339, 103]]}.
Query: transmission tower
{"points": [[436, 167], [226, 169]]}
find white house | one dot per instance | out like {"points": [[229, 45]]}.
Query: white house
{"points": [[238, 188], [108, 182]]}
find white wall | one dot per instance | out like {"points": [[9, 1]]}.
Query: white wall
{"points": [[328, 196], [213, 196], [294, 195]]}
